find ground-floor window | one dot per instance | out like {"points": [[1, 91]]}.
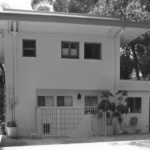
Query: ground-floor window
{"points": [[64, 101], [134, 104], [91, 103], [45, 101]]}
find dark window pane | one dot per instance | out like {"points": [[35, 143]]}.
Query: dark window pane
{"points": [[138, 104], [88, 101], [74, 46], [65, 45], [94, 101], [29, 48], [134, 103], [130, 104], [88, 51], [60, 101], [95, 51], [92, 51], [29, 53], [29, 44], [41, 100]]}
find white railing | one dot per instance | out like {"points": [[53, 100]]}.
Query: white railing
{"points": [[69, 121]]}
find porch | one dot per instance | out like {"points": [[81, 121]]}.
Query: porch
{"points": [[69, 121]]}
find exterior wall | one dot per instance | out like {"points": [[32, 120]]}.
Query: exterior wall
{"points": [[49, 71], [143, 117], [49, 74], [138, 89]]}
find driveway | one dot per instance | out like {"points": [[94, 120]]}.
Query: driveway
{"points": [[134, 141]]}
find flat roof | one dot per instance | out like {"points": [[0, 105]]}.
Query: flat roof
{"points": [[72, 18]]}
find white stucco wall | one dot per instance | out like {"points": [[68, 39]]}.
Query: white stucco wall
{"points": [[143, 117], [52, 75], [138, 89], [49, 71]]}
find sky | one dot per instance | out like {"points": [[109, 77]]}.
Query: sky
{"points": [[18, 4]]}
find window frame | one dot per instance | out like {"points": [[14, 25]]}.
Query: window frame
{"points": [[45, 101], [134, 103], [64, 101], [69, 56], [100, 49], [88, 111], [23, 49]]}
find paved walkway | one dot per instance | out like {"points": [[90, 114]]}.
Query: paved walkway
{"points": [[136, 141]]}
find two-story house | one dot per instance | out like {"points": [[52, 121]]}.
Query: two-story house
{"points": [[57, 65]]}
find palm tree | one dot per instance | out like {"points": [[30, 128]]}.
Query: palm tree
{"points": [[42, 5]]}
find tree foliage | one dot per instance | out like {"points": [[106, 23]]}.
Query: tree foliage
{"points": [[126, 66], [4, 6], [41, 5], [75, 6], [2, 92]]}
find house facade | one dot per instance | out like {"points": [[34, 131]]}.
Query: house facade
{"points": [[57, 65]]}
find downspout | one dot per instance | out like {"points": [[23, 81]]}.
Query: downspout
{"points": [[14, 32]]}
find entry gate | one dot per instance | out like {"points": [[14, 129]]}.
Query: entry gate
{"points": [[69, 121]]}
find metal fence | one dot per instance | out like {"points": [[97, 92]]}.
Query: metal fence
{"points": [[69, 121]]}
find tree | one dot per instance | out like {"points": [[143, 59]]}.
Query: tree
{"points": [[133, 10], [4, 5], [143, 54], [2, 80], [75, 6], [41, 5], [2, 92], [61, 5]]}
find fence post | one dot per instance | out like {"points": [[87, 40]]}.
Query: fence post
{"points": [[38, 114], [105, 123], [58, 120]]}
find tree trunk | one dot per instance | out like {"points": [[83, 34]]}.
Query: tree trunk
{"points": [[143, 75], [135, 60]]}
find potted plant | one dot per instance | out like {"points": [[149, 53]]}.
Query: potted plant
{"points": [[113, 110], [108, 108], [121, 108], [12, 129]]}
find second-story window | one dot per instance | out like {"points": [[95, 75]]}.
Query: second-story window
{"points": [[70, 50], [92, 51], [29, 48]]}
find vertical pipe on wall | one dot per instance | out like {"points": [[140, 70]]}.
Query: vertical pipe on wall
{"points": [[14, 32]]}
